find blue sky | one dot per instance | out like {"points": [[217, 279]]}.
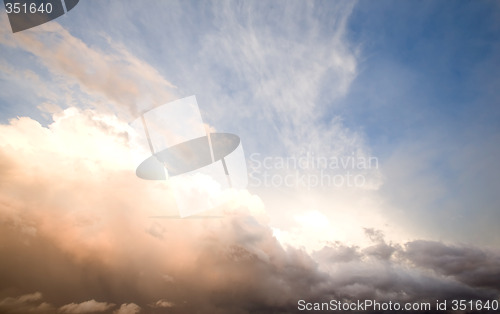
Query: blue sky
{"points": [[414, 84], [444, 59], [427, 85]]}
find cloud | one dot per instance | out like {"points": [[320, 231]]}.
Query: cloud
{"points": [[286, 72], [162, 304], [283, 66], [90, 306], [130, 308], [112, 75], [93, 232], [28, 303], [472, 266]]}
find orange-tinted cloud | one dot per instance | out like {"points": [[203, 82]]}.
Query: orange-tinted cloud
{"points": [[115, 75]]}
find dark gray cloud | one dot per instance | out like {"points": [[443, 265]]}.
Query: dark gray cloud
{"points": [[470, 265], [240, 269]]}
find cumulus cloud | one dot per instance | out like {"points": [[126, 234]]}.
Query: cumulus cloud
{"points": [[90, 306], [27, 303], [130, 308], [94, 234], [162, 304]]}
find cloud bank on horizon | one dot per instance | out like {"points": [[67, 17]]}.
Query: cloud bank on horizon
{"points": [[75, 229]]}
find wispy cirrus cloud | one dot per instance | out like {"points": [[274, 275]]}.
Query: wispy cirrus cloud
{"points": [[279, 62], [109, 75]]}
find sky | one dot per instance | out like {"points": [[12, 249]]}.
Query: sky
{"points": [[370, 133]]}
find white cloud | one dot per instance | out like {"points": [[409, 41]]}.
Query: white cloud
{"points": [[162, 304], [91, 306], [128, 308]]}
